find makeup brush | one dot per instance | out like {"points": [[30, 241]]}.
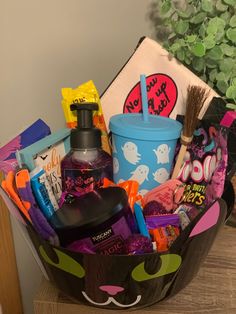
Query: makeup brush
{"points": [[196, 97]]}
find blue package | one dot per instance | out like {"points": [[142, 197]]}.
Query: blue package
{"points": [[40, 192], [140, 220], [38, 130]]}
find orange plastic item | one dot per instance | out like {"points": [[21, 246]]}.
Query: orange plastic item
{"points": [[131, 188], [22, 177], [164, 237], [9, 187]]}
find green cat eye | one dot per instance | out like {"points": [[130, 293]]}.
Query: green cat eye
{"points": [[169, 264], [66, 263]]}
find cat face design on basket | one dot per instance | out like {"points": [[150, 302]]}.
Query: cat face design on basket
{"points": [[107, 293], [121, 281]]}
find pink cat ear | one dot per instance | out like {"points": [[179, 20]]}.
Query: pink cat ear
{"points": [[207, 221]]}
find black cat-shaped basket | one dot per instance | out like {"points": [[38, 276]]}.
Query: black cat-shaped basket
{"points": [[122, 281]]}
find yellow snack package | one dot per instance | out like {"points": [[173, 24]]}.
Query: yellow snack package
{"points": [[86, 92]]}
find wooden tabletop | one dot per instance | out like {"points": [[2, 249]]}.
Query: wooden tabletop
{"points": [[212, 291]]}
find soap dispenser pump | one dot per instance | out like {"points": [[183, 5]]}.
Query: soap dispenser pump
{"points": [[84, 168]]}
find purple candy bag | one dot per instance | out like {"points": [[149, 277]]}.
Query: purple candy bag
{"points": [[157, 221], [215, 188], [205, 165], [154, 208], [138, 244]]}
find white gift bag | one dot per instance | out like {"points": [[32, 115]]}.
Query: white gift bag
{"points": [[167, 82]]}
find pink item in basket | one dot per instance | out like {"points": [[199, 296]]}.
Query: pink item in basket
{"points": [[207, 221], [168, 194]]}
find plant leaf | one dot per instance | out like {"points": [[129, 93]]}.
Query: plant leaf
{"points": [[171, 35], [188, 11], [227, 49], [211, 29], [220, 35], [174, 47], [202, 31], [231, 106], [211, 64], [233, 81], [232, 21], [230, 2], [215, 53], [180, 41], [226, 65], [166, 6], [233, 72], [221, 6], [225, 16], [222, 86], [221, 77], [231, 92], [210, 84], [198, 18], [199, 49], [180, 54], [198, 64], [190, 38], [207, 5], [212, 74], [209, 41], [181, 27], [215, 24], [187, 60], [231, 34]]}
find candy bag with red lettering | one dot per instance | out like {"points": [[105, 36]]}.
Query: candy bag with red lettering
{"points": [[205, 165]]}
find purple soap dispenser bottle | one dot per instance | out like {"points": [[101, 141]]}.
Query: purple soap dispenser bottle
{"points": [[87, 164]]}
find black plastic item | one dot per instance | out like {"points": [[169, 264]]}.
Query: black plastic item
{"points": [[76, 218], [85, 136], [229, 197], [140, 280]]}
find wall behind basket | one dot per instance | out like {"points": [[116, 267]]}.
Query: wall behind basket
{"points": [[46, 45]]}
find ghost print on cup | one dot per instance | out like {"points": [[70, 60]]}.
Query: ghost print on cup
{"points": [[140, 174], [143, 150], [130, 151], [115, 165], [162, 154], [147, 163], [161, 175], [142, 192]]}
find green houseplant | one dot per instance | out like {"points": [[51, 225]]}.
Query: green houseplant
{"points": [[202, 35]]}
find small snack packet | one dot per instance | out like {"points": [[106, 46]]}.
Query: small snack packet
{"points": [[186, 214], [86, 92], [164, 237], [184, 219]]}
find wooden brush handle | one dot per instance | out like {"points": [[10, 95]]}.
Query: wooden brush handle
{"points": [[179, 161]]}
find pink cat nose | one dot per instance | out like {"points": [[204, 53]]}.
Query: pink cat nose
{"points": [[112, 290]]}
